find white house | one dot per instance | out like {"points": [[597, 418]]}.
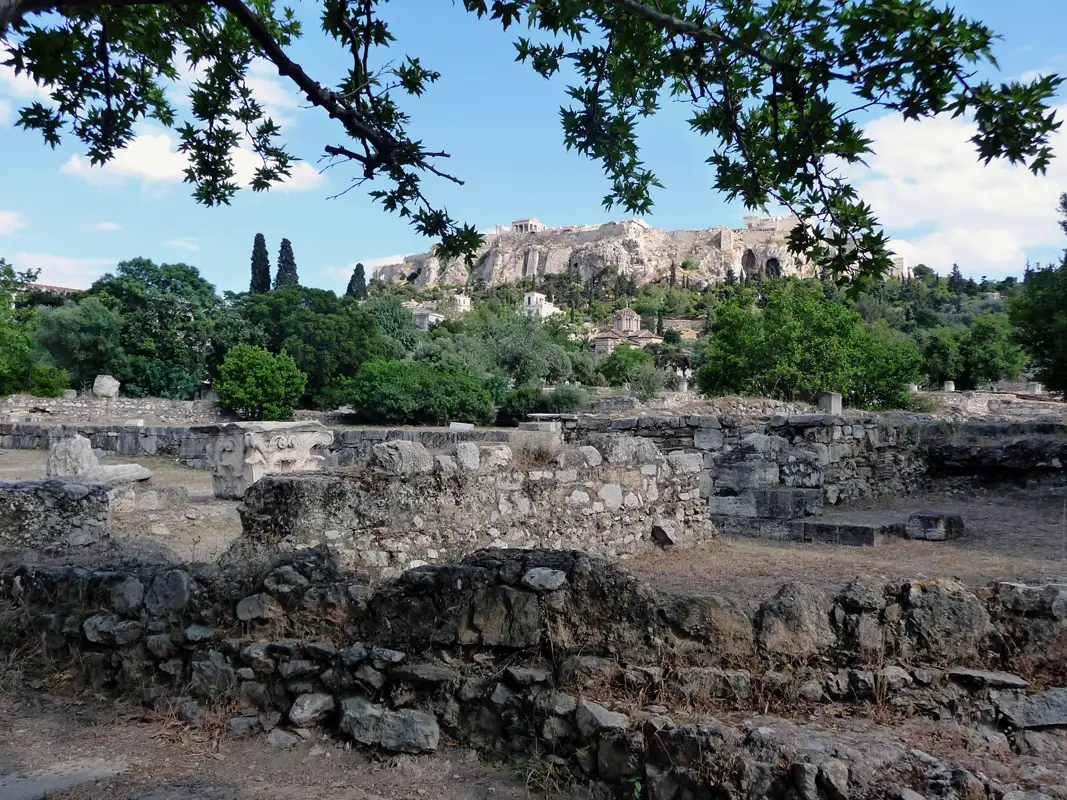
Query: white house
{"points": [[535, 304], [426, 318]]}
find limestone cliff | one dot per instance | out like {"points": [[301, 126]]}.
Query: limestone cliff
{"points": [[632, 247]]}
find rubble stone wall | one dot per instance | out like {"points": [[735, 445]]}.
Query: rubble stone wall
{"points": [[102, 410], [52, 516], [563, 655], [351, 447], [440, 509]]}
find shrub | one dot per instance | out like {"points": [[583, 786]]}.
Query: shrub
{"points": [[258, 385], [624, 363], [647, 382], [519, 403], [415, 392], [565, 399]]}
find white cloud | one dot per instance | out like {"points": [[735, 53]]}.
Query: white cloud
{"points": [[107, 226], [943, 206], [20, 86], [10, 221], [7, 112], [152, 156], [77, 273], [183, 243], [278, 98]]}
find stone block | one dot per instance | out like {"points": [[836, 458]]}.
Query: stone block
{"points": [[850, 533], [494, 456], [240, 453], [541, 427], [708, 439], [829, 402], [934, 526], [461, 426], [686, 463], [755, 474], [468, 457], [69, 394], [948, 386], [71, 456], [105, 386]]}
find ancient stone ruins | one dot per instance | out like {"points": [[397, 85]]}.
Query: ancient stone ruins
{"points": [[527, 248], [411, 590]]}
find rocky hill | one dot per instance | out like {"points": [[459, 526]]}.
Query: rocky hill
{"points": [[633, 247]]}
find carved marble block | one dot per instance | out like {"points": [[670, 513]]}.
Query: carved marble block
{"points": [[243, 452]]}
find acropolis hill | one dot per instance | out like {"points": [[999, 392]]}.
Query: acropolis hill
{"points": [[635, 248]]}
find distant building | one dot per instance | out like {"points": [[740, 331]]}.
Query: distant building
{"points": [[463, 303], [535, 304], [426, 318], [44, 287], [626, 320], [528, 225], [625, 329]]}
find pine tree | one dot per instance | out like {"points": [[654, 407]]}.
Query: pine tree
{"points": [[357, 284], [731, 278], [674, 274], [260, 267], [286, 266]]}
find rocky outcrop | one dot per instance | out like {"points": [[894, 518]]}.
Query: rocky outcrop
{"points": [[632, 247]]}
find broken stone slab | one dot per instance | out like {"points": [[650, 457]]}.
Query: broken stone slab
{"points": [[240, 453], [116, 474], [983, 678], [71, 456], [461, 426], [105, 386], [405, 731], [934, 526], [1047, 709], [666, 532]]}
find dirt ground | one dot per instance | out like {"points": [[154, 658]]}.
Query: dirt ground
{"points": [[62, 747], [1011, 534], [200, 530]]}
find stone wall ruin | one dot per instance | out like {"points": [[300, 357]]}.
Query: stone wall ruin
{"points": [[562, 656], [412, 507]]}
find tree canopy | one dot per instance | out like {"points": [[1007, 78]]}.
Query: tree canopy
{"points": [[779, 86]]}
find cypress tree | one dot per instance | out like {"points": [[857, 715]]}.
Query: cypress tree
{"points": [[260, 267], [286, 266], [357, 284]]}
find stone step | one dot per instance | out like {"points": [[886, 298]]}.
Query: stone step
{"points": [[854, 533]]}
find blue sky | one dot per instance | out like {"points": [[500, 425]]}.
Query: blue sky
{"points": [[500, 123]]}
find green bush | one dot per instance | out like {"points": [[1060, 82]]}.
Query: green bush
{"points": [[258, 385], [519, 403], [564, 399], [647, 382], [624, 364], [415, 392]]}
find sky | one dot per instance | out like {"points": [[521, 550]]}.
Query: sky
{"points": [[500, 123]]}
